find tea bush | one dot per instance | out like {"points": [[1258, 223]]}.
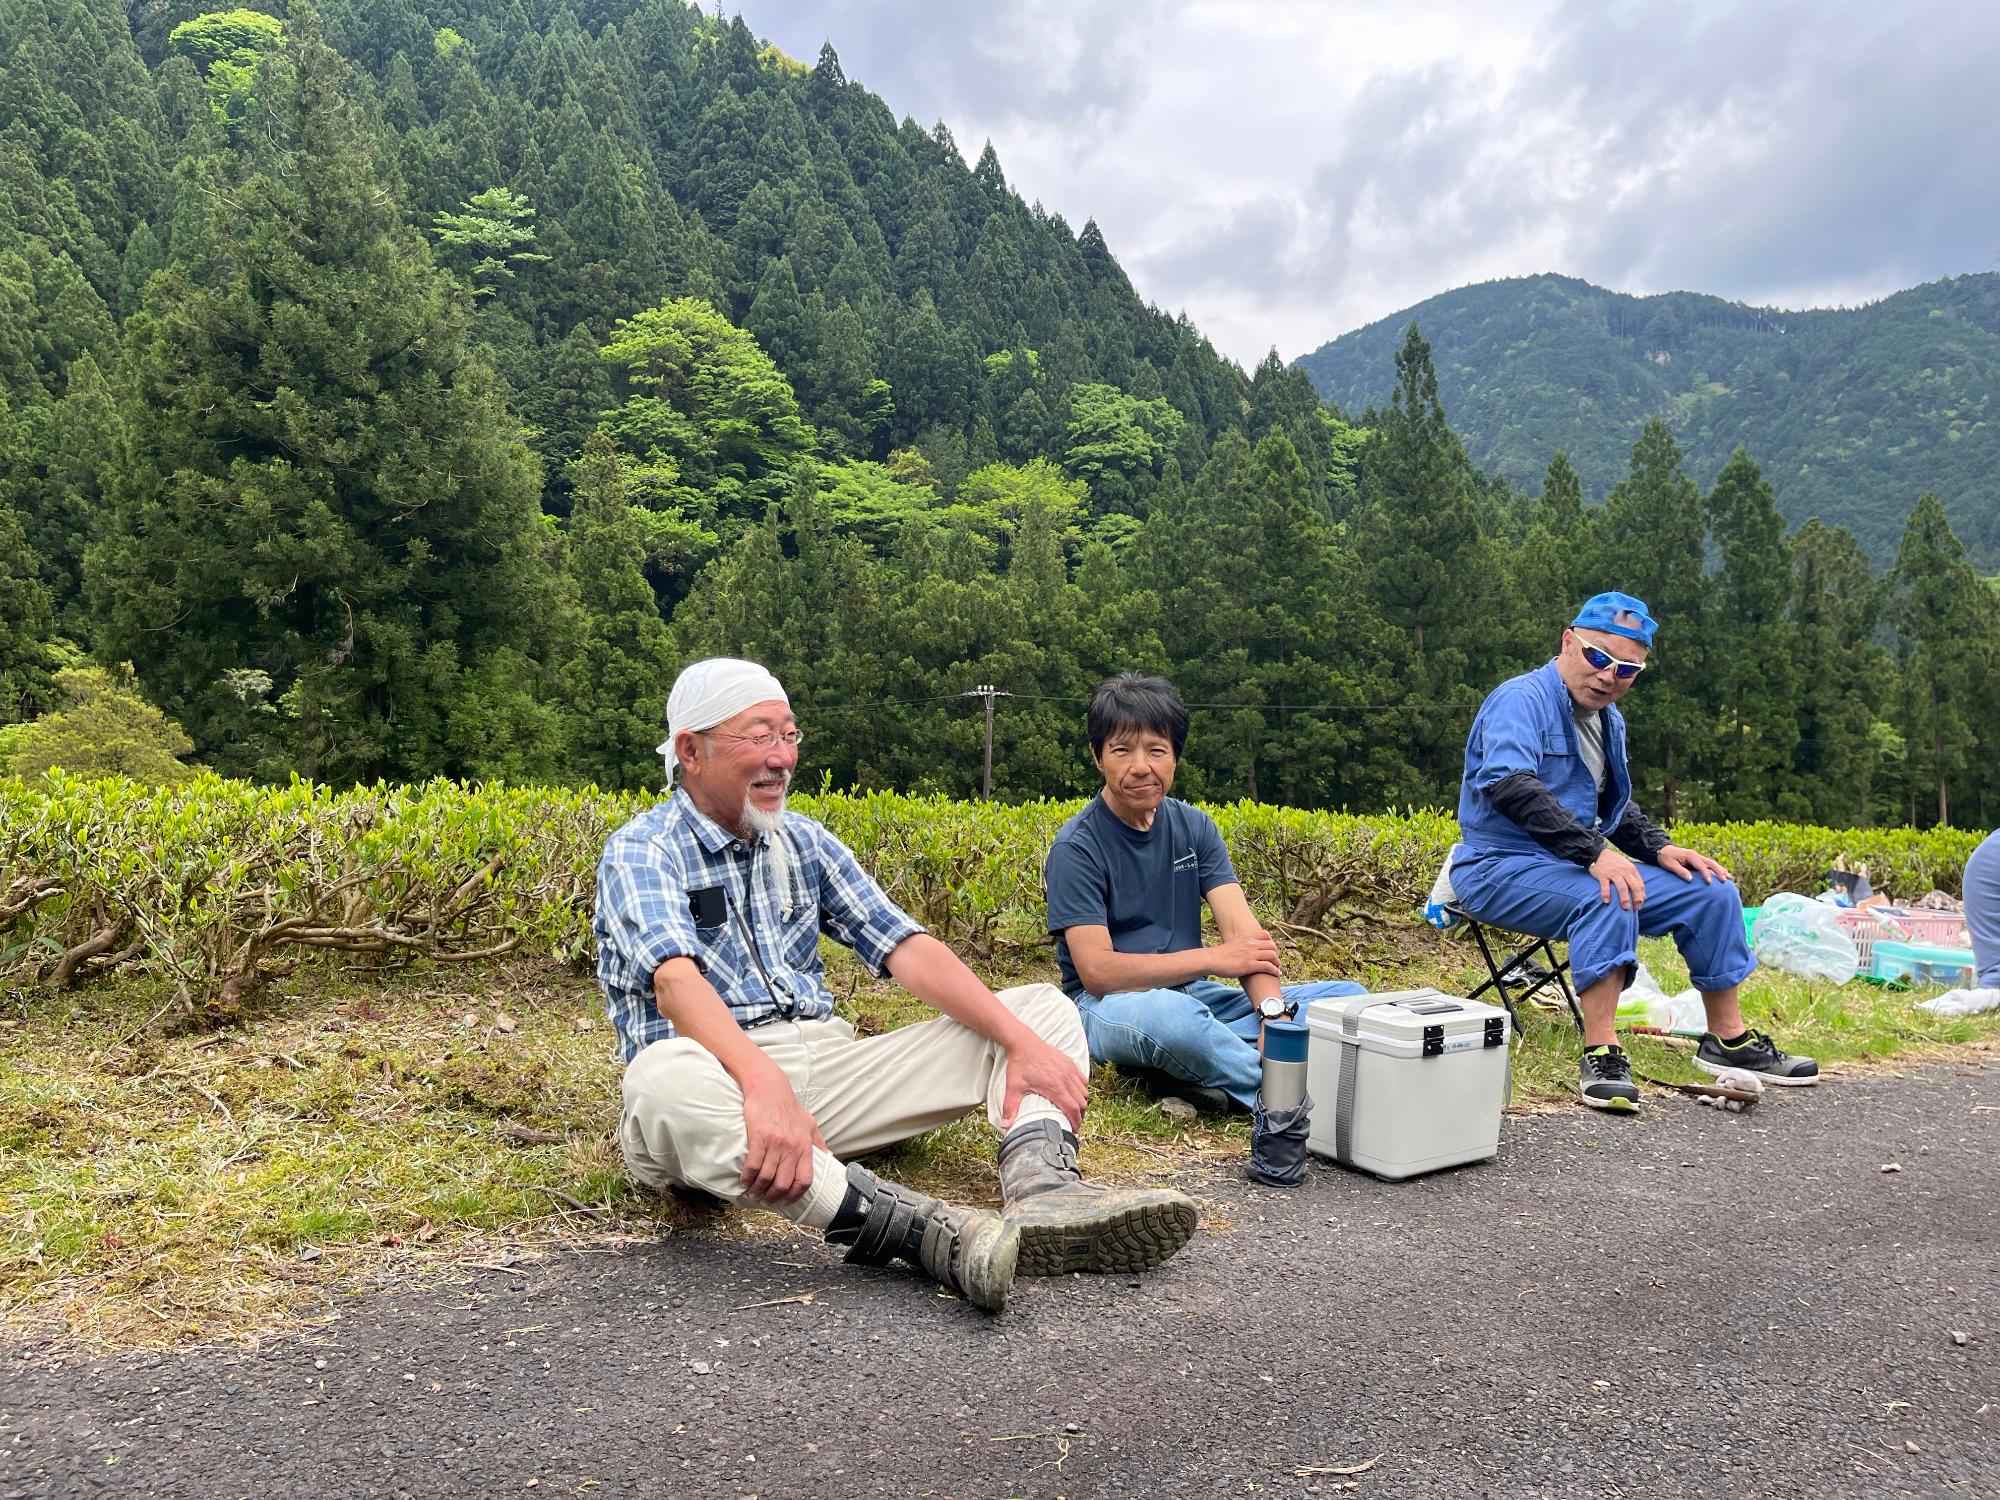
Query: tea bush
{"points": [[218, 886]]}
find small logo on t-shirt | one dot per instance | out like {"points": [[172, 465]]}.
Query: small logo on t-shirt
{"points": [[1185, 861]]}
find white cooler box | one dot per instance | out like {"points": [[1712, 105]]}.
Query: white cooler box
{"points": [[1405, 1081]]}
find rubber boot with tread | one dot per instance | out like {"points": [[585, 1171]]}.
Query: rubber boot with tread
{"points": [[1067, 1224]]}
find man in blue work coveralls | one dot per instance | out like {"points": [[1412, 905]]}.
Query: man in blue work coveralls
{"points": [[1553, 845], [1982, 912], [1127, 878]]}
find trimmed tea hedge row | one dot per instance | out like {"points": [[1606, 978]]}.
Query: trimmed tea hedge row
{"points": [[224, 884], [221, 885]]}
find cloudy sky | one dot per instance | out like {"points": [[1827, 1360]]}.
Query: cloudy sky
{"points": [[1286, 170]]}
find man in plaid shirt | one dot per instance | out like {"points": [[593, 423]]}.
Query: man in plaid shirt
{"points": [[741, 1081]]}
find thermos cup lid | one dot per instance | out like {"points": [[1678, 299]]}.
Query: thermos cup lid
{"points": [[1284, 1041]]}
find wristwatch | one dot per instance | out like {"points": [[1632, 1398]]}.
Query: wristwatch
{"points": [[1273, 1008]]}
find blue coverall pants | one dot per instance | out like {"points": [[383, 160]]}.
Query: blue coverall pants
{"points": [[1549, 897], [1982, 910]]}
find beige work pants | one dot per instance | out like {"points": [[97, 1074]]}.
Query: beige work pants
{"points": [[683, 1122]]}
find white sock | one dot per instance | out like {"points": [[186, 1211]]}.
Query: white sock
{"points": [[821, 1201], [1035, 1107]]}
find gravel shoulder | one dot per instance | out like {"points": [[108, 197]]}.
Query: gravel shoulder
{"points": [[1683, 1303]]}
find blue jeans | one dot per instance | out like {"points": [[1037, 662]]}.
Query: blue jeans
{"points": [[1548, 897], [1202, 1033]]}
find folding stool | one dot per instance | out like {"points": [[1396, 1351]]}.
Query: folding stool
{"points": [[1523, 973]]}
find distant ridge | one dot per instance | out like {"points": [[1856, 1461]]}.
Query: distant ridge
{"points": [[1851, 412]]}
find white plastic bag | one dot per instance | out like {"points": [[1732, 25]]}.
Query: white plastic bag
{"points": [[1961, 1002], [1640, 992], [1804, 937], [1644, 1001], [1442, 895]]}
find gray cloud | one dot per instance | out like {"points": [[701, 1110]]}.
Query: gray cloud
{"points": [[1288, 171], [1033, 62], [1838, 151]]}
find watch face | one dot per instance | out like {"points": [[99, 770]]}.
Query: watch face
{"points": [[1272, 1009]]}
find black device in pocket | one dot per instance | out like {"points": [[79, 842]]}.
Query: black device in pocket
{"points": [[709, 905]]}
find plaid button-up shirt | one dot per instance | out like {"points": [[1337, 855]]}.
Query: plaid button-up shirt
{"points": [[674, 883]]}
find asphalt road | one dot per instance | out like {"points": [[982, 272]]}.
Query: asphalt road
{"points": [[1684, 1303]]}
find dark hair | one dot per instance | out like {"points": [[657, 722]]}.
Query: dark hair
{"points": [[1129, 701]]}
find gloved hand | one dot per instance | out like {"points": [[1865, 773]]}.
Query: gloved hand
{"points": [[1962, 1002]]}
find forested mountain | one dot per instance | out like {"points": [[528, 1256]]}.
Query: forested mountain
{"points": [[402, 389], [1852, 412]]}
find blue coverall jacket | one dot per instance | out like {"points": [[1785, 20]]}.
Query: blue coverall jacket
{"points": [[1501, 875]]}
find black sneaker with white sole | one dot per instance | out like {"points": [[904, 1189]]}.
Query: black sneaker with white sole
{"points": [[1604, 1078], [1754, 1052]]}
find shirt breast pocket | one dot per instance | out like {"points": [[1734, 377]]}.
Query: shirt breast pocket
{"points": [[1557, 743], [709, 907], [801, 943]]}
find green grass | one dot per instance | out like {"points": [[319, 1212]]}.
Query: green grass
{"points": [[1849, 1028], [162, 1185]]}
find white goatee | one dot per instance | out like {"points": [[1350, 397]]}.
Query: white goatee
{"points": [[777, 856]]}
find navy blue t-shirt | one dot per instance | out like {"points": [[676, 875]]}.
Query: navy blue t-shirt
{"points": [[1147, 888]]}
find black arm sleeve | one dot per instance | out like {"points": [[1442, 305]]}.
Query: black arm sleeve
{"points": [[1638, 836], [1526, 799]]}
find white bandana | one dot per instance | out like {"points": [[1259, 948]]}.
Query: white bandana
{"points": [[710, 692]]}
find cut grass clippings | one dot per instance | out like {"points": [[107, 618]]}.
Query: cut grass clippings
{"points": [[175, 1188], [165, 1188]]}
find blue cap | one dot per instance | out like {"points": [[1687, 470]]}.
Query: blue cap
{"points": [[1285, 1041], [1619, 614]]}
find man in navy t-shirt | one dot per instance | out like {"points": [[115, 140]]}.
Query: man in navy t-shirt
{"points": [[1126, 880]]}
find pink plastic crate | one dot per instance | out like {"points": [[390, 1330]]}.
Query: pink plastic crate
{"points": [[1868, 925]]}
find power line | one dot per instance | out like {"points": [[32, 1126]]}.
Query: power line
{"points": [[870, 705], [988, 692]]}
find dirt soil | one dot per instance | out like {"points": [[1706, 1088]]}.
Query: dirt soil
{"points": [[1684, 1303]]}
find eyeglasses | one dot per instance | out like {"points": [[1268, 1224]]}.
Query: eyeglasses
{"points": [[1624, 671], [770, 739]]}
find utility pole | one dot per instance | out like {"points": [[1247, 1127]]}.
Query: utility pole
{"points": [[989, 692]]}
